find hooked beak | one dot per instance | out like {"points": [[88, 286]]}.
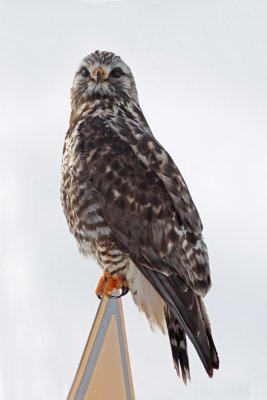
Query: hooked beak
{"points": [[99, 76]]}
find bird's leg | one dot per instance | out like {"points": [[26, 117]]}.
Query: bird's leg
{"points": [[104, 282], [107, 283]]}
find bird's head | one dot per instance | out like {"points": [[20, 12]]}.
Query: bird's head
{"points": [[105, 77]]}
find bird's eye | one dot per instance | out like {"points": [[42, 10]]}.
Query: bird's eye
{"points": [[84, 72], [116, 73]]}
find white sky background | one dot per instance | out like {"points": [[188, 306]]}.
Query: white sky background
{"points": [[200, 69]]}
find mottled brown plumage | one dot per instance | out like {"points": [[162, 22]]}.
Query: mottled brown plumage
{"points": [[127, 204]]}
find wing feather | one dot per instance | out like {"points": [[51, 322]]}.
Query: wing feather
{"points": [[144, 198], [148, 150]]}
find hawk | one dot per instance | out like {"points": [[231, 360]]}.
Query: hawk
{"points": [[128, 205]]}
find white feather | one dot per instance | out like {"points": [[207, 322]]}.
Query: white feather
{"points": [[146, 297]]}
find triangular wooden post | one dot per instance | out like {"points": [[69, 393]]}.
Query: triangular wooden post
{"points": [[104, 372]]}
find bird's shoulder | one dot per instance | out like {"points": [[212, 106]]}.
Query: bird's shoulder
{"points": [[129, 141]]}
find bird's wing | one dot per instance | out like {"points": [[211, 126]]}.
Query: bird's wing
{"points": [[145, 199], [150, 212]]}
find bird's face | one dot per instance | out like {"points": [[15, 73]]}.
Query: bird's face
{"points": [[103, 75]]}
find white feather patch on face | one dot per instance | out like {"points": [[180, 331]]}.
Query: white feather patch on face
{"points": [[146, 298]]}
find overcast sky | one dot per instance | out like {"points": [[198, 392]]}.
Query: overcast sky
{"points": [[200, 69]]}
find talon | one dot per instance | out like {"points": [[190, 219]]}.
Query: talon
{"points": [[102, 284], [124, 291], [108, 283]]}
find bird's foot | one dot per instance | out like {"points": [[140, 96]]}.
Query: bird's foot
{"points": [[107, 283]]}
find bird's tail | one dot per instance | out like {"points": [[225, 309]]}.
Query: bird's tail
{"points": [[185, 310], [213, 352], [178, 345]]}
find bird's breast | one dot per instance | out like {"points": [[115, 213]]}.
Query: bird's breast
{"points": [[78, 197]]}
